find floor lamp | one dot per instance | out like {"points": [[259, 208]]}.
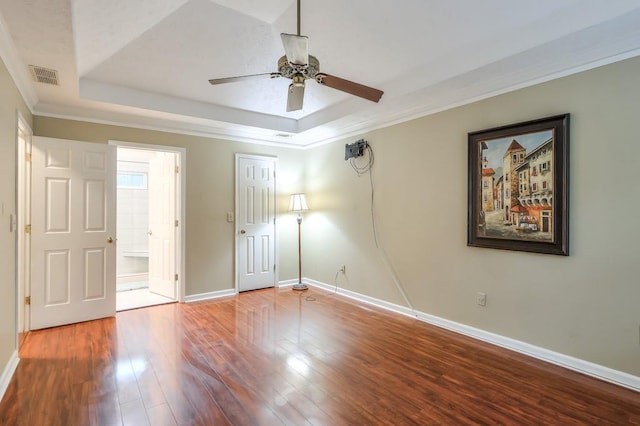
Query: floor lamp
{"points": [[298, 203]]}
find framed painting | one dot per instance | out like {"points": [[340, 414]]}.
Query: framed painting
{"points": [[518, 190]]}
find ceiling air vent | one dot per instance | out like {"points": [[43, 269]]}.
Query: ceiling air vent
{"points": [[44, 75]]}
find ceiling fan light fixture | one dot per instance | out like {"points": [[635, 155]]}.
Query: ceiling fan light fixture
{"points": [[297, 80]]}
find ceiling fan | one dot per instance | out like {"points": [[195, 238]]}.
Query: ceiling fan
{"points": [[299, 66]]}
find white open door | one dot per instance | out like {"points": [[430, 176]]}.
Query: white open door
{"points": [[73, 214], [162, 224], [255, 221]]}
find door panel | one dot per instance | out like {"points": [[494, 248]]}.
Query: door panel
{"points": [[57, 205], [162, 224], [94, 260], [57, 276], [95, 208], [73, 218], [255, 181]]}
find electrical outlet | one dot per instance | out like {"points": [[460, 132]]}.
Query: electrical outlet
{"points": [[343, 269], [481, 299]]}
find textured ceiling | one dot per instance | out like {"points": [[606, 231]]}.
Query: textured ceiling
{"points": [[147, 62]]}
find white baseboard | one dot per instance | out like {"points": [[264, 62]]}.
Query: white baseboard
{"points": [[7, 374], [292, 282], [362, 298], [576, 364], [287, 283], [210, 295]]}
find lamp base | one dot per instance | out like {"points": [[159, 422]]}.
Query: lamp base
{"points": [[300, 287]]}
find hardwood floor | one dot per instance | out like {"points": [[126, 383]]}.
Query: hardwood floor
{"points": [[274, 357]]}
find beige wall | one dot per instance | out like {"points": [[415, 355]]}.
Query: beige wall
{"points": [[11, 102], [586, 305], [210, 181]]}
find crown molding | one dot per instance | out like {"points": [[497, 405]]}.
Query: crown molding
{"points": [[321, 135]]}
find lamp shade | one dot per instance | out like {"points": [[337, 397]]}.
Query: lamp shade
{"points": [[298, 203]]}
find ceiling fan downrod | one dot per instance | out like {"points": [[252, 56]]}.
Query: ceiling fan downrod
{"points": [[298, 17]]}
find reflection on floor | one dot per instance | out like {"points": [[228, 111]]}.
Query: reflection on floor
{"points": [[122, 285], [140, 298]]}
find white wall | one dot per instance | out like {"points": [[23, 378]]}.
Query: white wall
{"points": [[132, 250], [586, 305]]}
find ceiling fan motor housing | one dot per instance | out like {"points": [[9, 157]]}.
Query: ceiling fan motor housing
{"points": [[289, 70]]}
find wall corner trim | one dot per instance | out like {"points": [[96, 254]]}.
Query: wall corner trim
{"points": [[576, 364], [7, 374], [210, 295]]}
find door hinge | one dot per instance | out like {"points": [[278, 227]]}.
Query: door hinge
{"points": [[176, 277], [27, 229], [176, 222], [27, 157], [177, 169], [27, 300], [274, 267]]}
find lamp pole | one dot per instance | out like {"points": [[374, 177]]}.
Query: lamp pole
{"points": [[298, 203], [300, 286], [299, 250]]}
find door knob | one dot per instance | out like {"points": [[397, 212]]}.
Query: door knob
{"points": [[242, 231], [110, 240], [150, 232]]}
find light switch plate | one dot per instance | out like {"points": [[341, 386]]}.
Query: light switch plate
{"points": [[481, 299]]}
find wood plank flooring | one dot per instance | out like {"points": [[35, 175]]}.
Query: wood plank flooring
{"points": [[274, 357]]}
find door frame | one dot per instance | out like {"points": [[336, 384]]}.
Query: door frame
{"points": [[181, 191], [236, 231], [23, 218]]}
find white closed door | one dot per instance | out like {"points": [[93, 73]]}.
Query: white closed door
{"points": [[162, 224], [255, 222], [73, 214]]}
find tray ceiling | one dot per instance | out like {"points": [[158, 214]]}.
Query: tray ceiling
{"points": [[146, 63]]}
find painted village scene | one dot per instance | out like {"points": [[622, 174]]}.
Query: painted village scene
{"points": [[517, 187]]}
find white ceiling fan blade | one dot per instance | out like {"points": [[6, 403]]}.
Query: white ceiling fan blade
{"points": [[215, 81], [296, 48], [295, 97]]}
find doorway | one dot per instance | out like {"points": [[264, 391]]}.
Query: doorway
{"points": [[546, 221], [99, 209], [255, 222], [147, 227]]}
